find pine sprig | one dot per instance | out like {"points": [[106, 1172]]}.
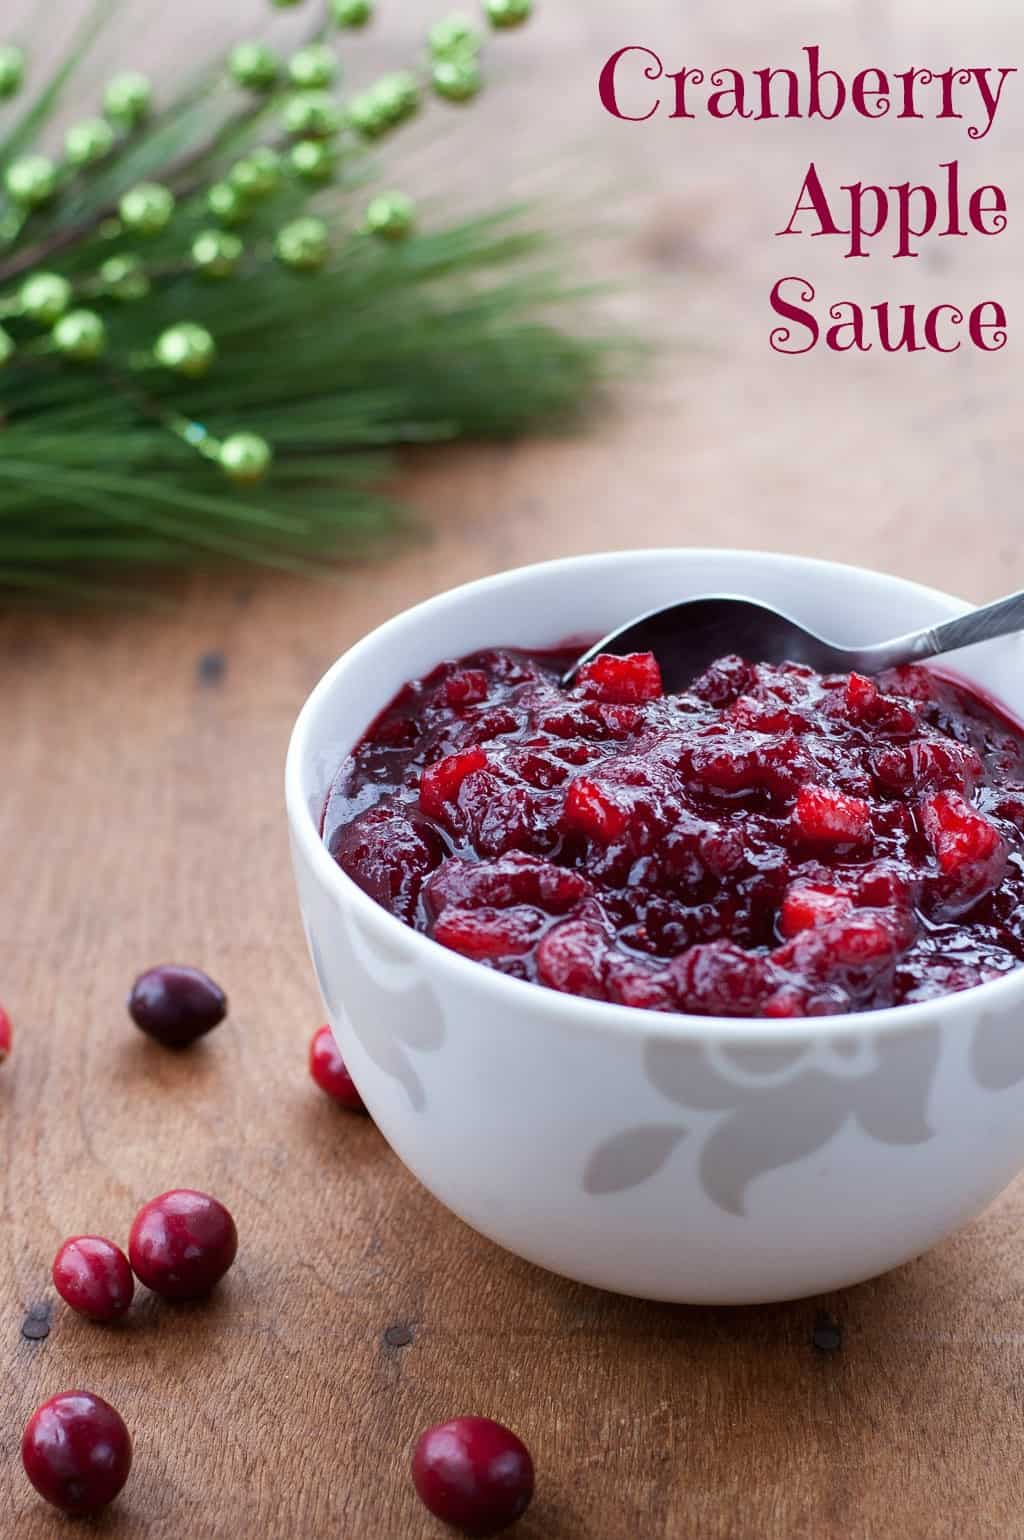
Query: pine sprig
{"points": [[278, 332]]}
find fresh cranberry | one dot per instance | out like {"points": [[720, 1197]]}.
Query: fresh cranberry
{"points": [[94, 1277], [77, 1452], [474, 1474], [328, 1069], [176, 1005], [182, 1244], [6, 1035]]}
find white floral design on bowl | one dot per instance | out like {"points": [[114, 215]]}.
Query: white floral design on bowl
{"points": [[780, 1104]]}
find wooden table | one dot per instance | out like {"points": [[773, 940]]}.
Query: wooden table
{"points": [[141, 819]]}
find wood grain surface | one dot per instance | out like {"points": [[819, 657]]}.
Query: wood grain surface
{"points": [[141, 820]]}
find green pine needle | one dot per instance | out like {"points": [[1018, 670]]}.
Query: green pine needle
{"points": [[107, 468]]}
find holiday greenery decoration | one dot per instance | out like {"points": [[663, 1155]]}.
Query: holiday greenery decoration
{"points": [[212, 332]]}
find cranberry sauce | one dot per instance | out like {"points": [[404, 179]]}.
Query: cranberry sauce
{"points": [[773, 842]]}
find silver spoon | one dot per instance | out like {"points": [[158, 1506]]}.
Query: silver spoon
{"points": [[685, 638]]}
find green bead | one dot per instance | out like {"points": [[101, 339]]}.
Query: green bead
{"points": [[245, 457], [454, 36], [12, 70], [508, 13], [254, 66], [313, 115], [44, 297], [30, 181], [88, 142], [392, 216], [313, 68], [313, 160], [186, 348], [303, 244], [128, 98], [124, 278], [6, 347], [367, 116], [227, 204], [285, 5], [457, 80], [398, 95], [80, 335], [217, 253], [352, 13], [147, 208], [256, 175]]}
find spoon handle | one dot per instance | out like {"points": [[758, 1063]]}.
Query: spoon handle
{"points": [[1001, 618]]}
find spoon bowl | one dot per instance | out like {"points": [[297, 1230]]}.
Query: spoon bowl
{"points": [[687, 637]]}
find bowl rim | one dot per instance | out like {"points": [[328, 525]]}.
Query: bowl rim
{"points": [[1000, 995]]}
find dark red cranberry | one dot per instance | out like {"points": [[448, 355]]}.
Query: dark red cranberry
{"points": [[182, 1244], [474, 1474], [176, 1005], [77, 1452], [328, 1069], [94, 1277], [5, 1034]]}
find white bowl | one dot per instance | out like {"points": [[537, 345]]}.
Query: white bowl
{"points": [[673, 1157]]}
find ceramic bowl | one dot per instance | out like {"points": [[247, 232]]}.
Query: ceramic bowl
{"points": [[672, 1157]]}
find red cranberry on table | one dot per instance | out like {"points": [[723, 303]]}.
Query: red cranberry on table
{"points": [[77, 1452], [328, 1069], [94, 1277], [5, 1034], [474, 1474], [182, 1244], [176, 1005]]}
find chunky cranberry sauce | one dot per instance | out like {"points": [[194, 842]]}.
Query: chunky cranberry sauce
{"points": [[772, 842]]}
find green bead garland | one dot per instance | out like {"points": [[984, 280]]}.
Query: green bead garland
{"points": [[186, 349], [313, 115], [80, 335], [303, 244], [457, 80], [124, 278], [508, 13], [88, 142], [352, 13], [44, 297], [313, 160], [217, 253], [313, 68], [31, 181], [254, 66], [127, 99], [454, 36], [12, 70], [147, 208], [391, 216], [245, 457], [6, 347]]}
